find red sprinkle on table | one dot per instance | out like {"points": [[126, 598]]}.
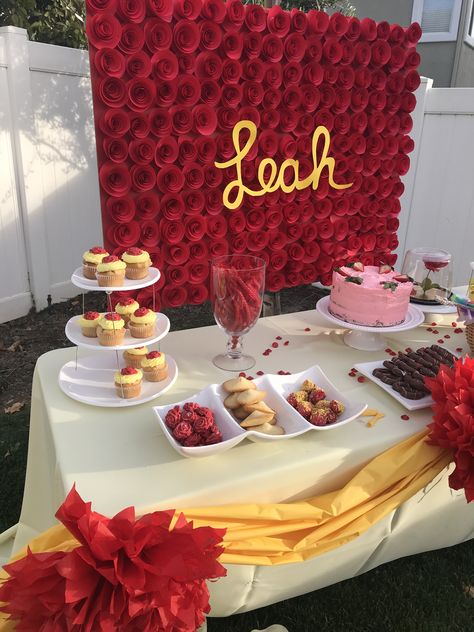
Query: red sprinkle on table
{"points": [[275, 345], [405, 417], [307, 328], [447, 336], [458, 348], [361, 378], [430, 329], [260, 373], [266, 353], [278, 338], [280, 372], [453, 324], [434, 324], [458, 330], [286, 343], [408, 350], [387, 350], [440, 341], [250, 377], [242, 374], [435, 331]]}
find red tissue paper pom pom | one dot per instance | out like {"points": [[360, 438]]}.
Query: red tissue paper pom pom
{"points": [[453, 420], [125, 574]]}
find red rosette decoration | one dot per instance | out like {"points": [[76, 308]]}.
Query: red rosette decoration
{"points": [[145, 573], [253, 43], [186, 36], [143, 178], [274, 281], [178, 275], [116, 149], [235, 14], [165, 65], [198, 272], [120, 210], [318, 21], [166, 92], [216, 227], [292, 73], [98, 6], [124, 235], [231, 71], [138, 64], [211, 35], [148, 205], [188, 90], [182, 119], [233, 44], [197, 294], [194, 201], [193, 175], [150, 234], [141, 93], [166, 151], [172, 232], [206, 150], [210, 92], [103, 30], [173, 296], [114, 123], [208, 65], [255, 17], [278, 21], [158, 35], [218, 248], [272, 47], [132, 10], [453, 420], [213, 10], [139, 125], [189, 9], [172, 206], [162, 8], [115, 179], [109, 62], [112, 92], [187, 150], [170, 179], [231, 95], [194, 227], [132, 39], [205, 119]]}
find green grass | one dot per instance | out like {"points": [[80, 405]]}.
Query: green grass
{"points": [[13, 452]]}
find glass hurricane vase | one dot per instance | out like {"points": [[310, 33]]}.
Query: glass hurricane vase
{"points": [[237, 286], [431, 271]]}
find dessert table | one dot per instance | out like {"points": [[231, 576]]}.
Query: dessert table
{"points": [[119, 457]]}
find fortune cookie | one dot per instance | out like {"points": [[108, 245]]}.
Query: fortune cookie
{"points": [[251, 397], [267, 428], [240, 413], [231, 401], [256, 419], [238, 384], [261, 406]]}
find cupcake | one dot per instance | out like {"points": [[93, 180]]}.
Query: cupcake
{"points": [[142, 323], [128, 382], [134, 357], [138, 261], [88, 324], [111, 330], [154, 366], [110, 272], [125, 307], [91, 259]]}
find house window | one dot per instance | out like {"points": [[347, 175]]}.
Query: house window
{"points": [[439, 19], [470, 28]]}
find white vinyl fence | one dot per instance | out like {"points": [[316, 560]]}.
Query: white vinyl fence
{"points": [[49, 196]]}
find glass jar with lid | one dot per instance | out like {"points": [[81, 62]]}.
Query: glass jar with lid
{"points": [[431, 272]]}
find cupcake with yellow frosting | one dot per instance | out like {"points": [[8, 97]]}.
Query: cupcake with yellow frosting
{"points": [[154, 366], [125, 307], [142, 323], [110, 272], [111, 330], [88, 324], [134, 357], [128, 382], [138, 261], [91, 259]]}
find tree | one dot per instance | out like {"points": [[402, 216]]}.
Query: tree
{"points": [[62, 21]]}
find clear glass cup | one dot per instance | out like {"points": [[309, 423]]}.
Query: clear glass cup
{"points": [[237, 286], [432, 274]]}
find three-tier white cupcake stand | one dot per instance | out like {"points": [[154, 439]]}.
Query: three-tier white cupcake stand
{"points": [[90, 379]]}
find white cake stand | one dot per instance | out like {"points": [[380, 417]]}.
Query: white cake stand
{"points": [[370, 338]]}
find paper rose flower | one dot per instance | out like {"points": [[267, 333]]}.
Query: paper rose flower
{"points": [[103, 30], [141, 93], [109, 62], [453, 420]]}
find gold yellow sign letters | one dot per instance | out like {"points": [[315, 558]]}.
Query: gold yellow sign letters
{"points": [[276, 178]]}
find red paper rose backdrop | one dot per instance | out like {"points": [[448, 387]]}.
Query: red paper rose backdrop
{"points": [[171, 78]]}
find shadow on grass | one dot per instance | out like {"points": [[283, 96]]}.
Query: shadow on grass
{"points": [[13, 451]]}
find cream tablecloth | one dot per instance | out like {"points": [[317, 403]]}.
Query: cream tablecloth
{"points": [[119, 458]]}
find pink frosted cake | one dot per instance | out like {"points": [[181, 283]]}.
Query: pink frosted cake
{"points": [[373, 296]]}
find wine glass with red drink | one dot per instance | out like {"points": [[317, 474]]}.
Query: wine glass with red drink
{"points": [[237, 285]]}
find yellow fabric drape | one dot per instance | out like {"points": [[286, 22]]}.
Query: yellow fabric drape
{"points": [[281, 533]]}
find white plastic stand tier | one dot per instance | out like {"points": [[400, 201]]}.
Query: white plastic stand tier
{"points": [[90, 285], [370, 338]]}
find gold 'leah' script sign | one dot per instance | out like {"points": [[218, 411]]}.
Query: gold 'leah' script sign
{"points": [[276, 177]]}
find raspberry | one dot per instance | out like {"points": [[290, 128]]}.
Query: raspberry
{"points": [[128, 370], [404, 417], [316, 395], [141, 311], [291, 399], [330, 417], [318, 418]]}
